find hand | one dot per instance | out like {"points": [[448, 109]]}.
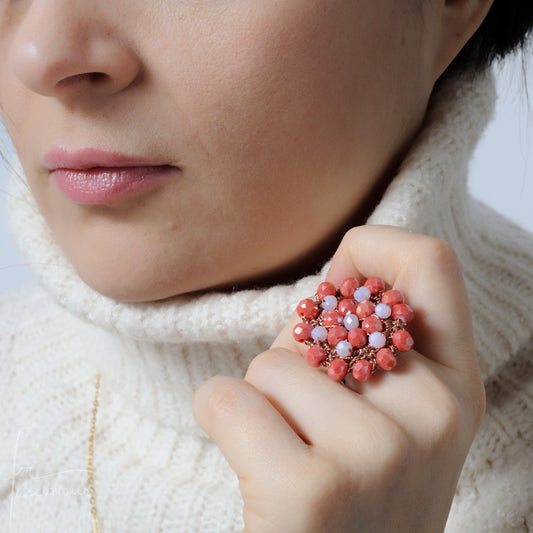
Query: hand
{"points": [[313, 455]]}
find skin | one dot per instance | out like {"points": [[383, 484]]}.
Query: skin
{"points": [[273, 112]]}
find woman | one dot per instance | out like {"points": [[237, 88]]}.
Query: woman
{"points": [[183, 154]]}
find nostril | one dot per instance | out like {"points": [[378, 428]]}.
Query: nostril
{"points": [[94, 78], [98, 76]]}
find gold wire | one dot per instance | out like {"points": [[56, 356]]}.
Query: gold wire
{"points": [[90, 472]]}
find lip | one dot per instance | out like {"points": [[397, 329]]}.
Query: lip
{"points": [[100, 177], [91, 158]]}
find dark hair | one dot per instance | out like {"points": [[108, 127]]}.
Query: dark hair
{"points": [[506, 28]]}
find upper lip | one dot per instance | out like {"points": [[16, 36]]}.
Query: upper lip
{"points": [[85, 158]]}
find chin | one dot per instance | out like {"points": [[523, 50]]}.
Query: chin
{"points": [[129, 284], [125, 289], [141, 280]]}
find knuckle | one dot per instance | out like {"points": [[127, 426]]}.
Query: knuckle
{"points": [[263, 362], [267, 363], [351, 234], [351, 240], [393, 452], [443, 415], [224, 398], [437, 251], [449, 420], [385, 452]]}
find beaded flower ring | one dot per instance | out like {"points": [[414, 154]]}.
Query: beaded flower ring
{"points": [[355, 328]]}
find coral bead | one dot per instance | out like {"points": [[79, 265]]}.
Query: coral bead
{"points": [[365, 309], [357, 338], [315, 355], [307, 309], [302, 332], [402, 312], [331, 319], [371, 324], [402, 340], [326, 289], [337, 334], [374, 285], [348, 287], [347, 307], [361, 370], [337, 369], [386, 359], [392, 297]]}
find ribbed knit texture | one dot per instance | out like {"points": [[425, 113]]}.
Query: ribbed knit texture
{"points": [[154, 468]]}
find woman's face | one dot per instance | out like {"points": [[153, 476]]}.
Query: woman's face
{"points": [[251, 130]]}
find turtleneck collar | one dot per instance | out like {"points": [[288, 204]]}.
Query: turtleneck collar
{"points": [[153, 356], [432, 175]]}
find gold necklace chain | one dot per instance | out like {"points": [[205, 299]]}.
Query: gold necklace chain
{"points": [[90, 480]]}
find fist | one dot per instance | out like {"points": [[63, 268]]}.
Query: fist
{"points": [[313, 455]]}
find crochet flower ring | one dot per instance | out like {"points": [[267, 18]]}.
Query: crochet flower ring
{"points": [[355, 328]]}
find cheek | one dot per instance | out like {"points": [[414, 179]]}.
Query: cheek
{"points": [[285, 105], [286, 83], [266, 77], [258, 100]]}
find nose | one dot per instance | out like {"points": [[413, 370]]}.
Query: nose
{"points": [[61, 47]]}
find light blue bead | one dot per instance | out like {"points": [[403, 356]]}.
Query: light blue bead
{"points": [[351, 322], [383, 310], [377, 339], [361, 294], [343, 348], [319, 333], [329, 303]]}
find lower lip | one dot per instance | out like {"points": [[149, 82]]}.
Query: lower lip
{"points": [[101, 186]]}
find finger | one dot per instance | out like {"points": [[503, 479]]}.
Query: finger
{"points": [[421, 397], [255, 439], [427, 272], [328, 416]]}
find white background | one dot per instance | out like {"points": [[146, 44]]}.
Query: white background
{"points": [[501, 172]]}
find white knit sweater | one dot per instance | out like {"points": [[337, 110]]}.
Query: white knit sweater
{"points": [[155, 471]]}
